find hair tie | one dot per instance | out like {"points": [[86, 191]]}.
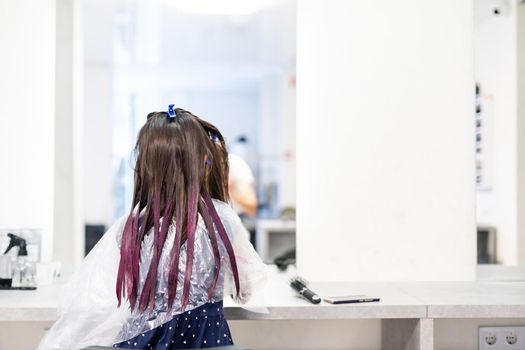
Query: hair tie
{"points": [[171, 112]]}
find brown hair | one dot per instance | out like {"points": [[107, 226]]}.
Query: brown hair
{"points": [[181, 163]]}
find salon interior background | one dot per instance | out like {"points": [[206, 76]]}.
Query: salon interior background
{"points": [[82, 75], [113, 61], [231, 63], [158, 52]]}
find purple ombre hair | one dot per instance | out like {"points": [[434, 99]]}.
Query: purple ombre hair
{"points": [[182, 163]]}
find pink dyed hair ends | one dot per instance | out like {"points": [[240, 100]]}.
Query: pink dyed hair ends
{"points": [[180, 167]]}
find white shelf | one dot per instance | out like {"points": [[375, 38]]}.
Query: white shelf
{"points": [[405, 307]]}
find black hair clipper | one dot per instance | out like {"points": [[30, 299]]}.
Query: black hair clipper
{"points": [[301, 286]]}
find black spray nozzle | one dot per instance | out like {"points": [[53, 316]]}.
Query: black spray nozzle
{"points": [[17, 241]]}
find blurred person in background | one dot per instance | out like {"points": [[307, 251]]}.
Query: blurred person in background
{"points": [[241, 180]]}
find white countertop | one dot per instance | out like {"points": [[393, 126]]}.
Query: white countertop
{"points": [[477, 299]]}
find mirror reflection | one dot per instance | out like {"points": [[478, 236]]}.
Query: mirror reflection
{"points": [[234, 66]]}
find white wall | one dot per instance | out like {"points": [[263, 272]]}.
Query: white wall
{"points": [[385, 140], [97, 183], [521, 131], [307, 334], [495, 41], [288, 196], [27, 120], [462, 334], [97, 175], [68, 223]]}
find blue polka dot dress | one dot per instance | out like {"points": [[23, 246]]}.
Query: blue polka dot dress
{"points": [[202, 327]]}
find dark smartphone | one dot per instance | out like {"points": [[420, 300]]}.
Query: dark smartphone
{"points": [[350, 299]]}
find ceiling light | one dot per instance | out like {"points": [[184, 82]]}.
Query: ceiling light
{"points": [[221, 7]]}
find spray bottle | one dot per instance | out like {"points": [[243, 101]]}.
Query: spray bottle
{"points": [[22, 272]]}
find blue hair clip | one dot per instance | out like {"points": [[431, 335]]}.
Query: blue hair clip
{"points": [[207, 162], [216, 138], [171, 112]]}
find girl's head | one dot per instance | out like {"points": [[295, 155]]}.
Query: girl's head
{"points": [[181, 164], [176, 154]]}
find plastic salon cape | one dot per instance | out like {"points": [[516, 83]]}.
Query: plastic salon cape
{"points": [[88, 314]]}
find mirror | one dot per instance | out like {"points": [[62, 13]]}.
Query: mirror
{"points": [[499, 52], [232, 64]]}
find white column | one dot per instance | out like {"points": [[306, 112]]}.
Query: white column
{"points": [[68, 246], [97, 176], [385, 140], [27, 119], [521, 131]]}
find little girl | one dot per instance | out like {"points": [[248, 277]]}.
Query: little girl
{"points": [[171, 260]]}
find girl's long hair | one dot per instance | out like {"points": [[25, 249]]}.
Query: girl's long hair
{"points": [[181, 164]]}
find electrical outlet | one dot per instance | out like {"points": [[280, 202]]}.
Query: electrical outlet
{"points": [[501, 338], [511, 338]]}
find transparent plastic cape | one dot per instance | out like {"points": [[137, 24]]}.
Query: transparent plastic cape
{"points": [[88, 314], [252, 271]]}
